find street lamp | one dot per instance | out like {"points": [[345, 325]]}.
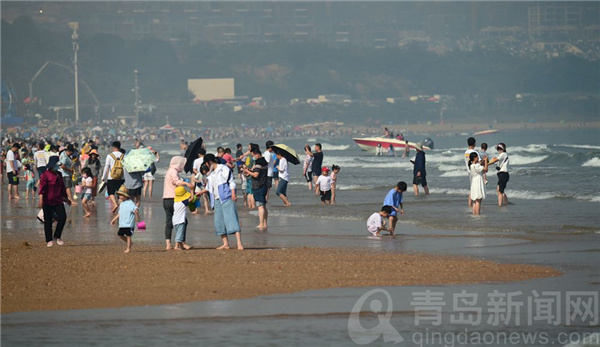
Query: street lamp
{"points": [[136, 108], [75, 39]]}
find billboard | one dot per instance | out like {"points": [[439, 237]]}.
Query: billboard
{"points": [[206, 89]]}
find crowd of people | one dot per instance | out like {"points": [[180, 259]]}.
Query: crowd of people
{"points": [[64, 173]]}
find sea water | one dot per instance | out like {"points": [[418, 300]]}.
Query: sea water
{"points": [[553, 219]]}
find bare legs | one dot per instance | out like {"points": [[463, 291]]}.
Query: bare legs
{"points": [[477, 207], [238, 238], [502, 198], [416, 189], [129, 243], [263, 216]]}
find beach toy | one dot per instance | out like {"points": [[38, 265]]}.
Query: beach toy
{"points": [[192, 203], [77, 189], [141, 225]]}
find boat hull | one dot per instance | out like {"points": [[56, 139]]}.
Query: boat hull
{"points": [[370, 143]]}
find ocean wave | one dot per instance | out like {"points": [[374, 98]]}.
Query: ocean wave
{"points": [[592, 198], [594, 162], [579, 146], [330, 147], [455, 173], [449, 191], [525, 160]]}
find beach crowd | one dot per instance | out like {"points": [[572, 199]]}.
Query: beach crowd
{"points": [[58, 171]]}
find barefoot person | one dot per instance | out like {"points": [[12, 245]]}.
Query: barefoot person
{"points": [[12, 171], [113, 173], [284, 177], [419, 172], [477, 183], [172, 181], [222, 187], [395, 199], [471, 143], [502, 166], [52, 196], [375, 223], [258, 173], [128, 215], [182, 199]]}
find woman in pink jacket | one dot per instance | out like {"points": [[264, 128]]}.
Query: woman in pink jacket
{"points": [[172, 181]]}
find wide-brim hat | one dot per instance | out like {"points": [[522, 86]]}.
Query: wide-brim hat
{"points": [[123, 191], [418, 146], [181, 194]]}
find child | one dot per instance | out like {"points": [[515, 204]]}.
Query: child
{"points": [[323, 184], [375, 223], [283, 177], [87, 183], [29, 177], [483, 155], [477, 185], [182, 199], [127, 216], [394, 199], [334, 171]]}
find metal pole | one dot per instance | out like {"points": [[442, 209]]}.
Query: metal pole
{"points": [[137, 96], [75, 37]]}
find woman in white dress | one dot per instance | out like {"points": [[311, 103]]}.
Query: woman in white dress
{"points": [[477, 181]]}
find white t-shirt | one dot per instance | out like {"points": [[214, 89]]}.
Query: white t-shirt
{"points": [[283, 169], [10, 159], [503, 162], [179, 211], [324, 183], [88, 182], [374, 223], [108, 165], [467, 158], [41, 158], [198, 163], [270, 158]]}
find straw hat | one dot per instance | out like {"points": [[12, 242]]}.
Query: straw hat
{"points": [[418, 146], [123, 191], [181, 194]]}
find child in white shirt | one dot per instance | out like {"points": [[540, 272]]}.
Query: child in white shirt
{"points": [[376, 222], [180, 207], [324, 185], [87, 182]]}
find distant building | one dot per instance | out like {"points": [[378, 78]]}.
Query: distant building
{"points": [[208, 89]]}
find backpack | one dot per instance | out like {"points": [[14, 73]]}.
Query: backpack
{"points": [[116, 173]]}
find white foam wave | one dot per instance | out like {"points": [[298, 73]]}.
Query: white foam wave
{"points": [[330, 147], [529, 195], [455, 173], [592, 198], [594, 162], [524, 160], [580, 146], [449, 191]]}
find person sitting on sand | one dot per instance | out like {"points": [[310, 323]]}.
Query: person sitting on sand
{"points": [[375, 223], [128, 215]]}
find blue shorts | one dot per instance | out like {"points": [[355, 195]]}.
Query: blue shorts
{"points": [[30, 185], [226, 218], [282, 188], [87, 196], [260, 196]]}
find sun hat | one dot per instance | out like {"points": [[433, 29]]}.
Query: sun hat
{"points": [[501, 146], [418, 146], [181, 194], [123, 191]]}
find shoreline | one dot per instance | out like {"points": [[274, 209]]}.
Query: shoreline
{"points": [[36, 278]]}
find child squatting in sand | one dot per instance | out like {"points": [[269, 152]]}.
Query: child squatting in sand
{"points": [[375, 223], [127, 216]]}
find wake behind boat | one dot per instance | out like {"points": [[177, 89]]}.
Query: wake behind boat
{"points": [[370, 143], [486, 132]]}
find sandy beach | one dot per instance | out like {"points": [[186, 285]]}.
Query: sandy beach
{"points": [[78, 276]]}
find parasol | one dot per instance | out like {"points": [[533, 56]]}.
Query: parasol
{"points": [[287, 152], [191, 154], [138, 160]]}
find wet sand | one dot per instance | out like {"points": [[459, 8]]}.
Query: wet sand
{"points": [[78, 276]]}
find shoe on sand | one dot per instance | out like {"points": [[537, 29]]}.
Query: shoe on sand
{"points": [[50, 244], [60, 242]]}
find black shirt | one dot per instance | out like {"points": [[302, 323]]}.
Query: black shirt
{"points": [[317, 162], [261, 166]]}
